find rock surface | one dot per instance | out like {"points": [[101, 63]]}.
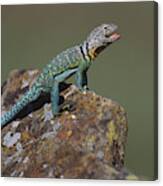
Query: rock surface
{"points": [[87, 139]]}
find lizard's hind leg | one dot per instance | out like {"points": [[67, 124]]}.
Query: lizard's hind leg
{"points": [[55, 89]]}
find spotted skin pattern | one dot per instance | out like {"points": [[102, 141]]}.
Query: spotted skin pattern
{"points": [[75, 60]]}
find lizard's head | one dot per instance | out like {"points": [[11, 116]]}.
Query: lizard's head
{"points": [[100, 38]]}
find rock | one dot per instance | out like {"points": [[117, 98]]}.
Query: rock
{"points": [[86, 140]]}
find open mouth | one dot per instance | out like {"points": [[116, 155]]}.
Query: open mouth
{"points": [[114, 36]]}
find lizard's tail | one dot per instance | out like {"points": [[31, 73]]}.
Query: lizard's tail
{"points": [[29, 96]]}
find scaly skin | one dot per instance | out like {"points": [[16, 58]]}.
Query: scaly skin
{"points": [[75, 60]]}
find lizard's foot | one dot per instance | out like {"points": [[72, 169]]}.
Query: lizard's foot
{"points": [[84, 89], [57, 114]]}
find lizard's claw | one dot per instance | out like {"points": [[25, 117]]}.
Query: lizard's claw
{"points": [[85, 88]]}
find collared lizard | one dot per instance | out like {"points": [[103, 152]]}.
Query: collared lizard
{"points": [[75, 60]]}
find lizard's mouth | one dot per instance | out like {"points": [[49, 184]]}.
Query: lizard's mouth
{"points": [[113, 37]]}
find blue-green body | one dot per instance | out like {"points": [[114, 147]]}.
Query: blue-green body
{"points": [[75, 60], [58, 70]]}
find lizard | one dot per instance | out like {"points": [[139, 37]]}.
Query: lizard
{"points": [[72, 61]]}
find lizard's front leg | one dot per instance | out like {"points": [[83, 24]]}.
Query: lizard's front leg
{"points": [[55, 89], [55, 98], [81, 80]]}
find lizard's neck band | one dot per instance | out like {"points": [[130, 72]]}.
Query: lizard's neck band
{"points": [[87, 53]]}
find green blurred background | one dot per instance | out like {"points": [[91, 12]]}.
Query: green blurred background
{"points": [[33, 34]]}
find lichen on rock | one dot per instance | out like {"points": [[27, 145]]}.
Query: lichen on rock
{"points": [[86, 140]]}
